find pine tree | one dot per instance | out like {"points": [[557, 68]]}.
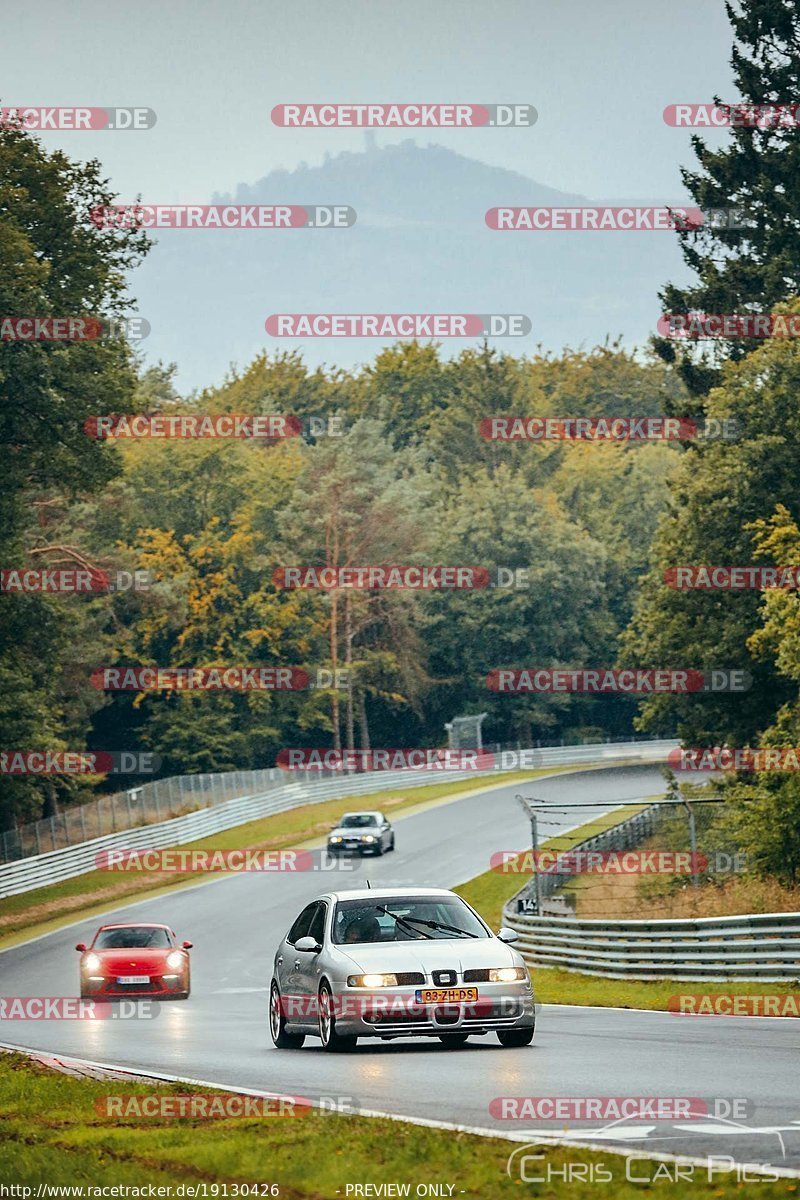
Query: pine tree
{"points": [[755, 266]]}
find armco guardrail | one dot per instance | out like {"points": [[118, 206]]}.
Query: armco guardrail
{"points": [[753, 947], [764, 946], [174, 796], [42, 869]]}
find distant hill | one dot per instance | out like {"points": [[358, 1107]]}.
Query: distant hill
{"points": [[420, 244]]}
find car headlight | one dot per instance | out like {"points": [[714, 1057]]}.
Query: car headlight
{"points": [[367, 837], [91, 962], [506, 974], [372, 981], [175, 959], [334, 839]]}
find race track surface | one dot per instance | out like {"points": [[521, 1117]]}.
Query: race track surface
{"points": [[221, 1035]]}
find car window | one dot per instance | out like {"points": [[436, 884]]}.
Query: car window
{"points": [[133, 937], [316, 929], [358, 820], [301, 925], [362, 921]]}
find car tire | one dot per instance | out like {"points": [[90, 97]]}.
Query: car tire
{"points": [[515, 1037], [391, 843], [332, 1041], [453, 1040], [277, 1023]]}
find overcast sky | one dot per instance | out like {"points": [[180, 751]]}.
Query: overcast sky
{"points": [[599, 75]]}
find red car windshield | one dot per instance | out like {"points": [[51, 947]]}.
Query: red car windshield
{"points": [[133, 937]]}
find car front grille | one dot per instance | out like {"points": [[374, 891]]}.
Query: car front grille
{"points": [[477, 975], [407, 978]]}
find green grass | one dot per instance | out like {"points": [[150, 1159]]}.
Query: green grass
{"points": [[96, 892], [50, 1132], [490, 891]]}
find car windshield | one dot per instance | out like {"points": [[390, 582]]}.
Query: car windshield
{"points": [[133, 937], [358, 820], [365, 921]]}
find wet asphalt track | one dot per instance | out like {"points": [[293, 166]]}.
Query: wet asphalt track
{"points": [[221, 1036]]}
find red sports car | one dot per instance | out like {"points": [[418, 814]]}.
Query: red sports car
{"points": [[135, 960]]}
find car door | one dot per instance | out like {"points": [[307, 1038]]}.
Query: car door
{"points": [[285, 971], [386, 831], [307, 968]]}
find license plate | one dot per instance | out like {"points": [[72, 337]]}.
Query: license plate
{"points": [[351, 845], [133, 979], [458, 995]]}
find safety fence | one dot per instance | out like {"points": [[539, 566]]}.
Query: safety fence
{"points": [[268, 794], [764, 946], [162, 799]]}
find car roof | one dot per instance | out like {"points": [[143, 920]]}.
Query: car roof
{"points": [[134, 925], [383, 892], [361, 812]]}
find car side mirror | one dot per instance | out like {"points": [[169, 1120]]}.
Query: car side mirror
{"points": [[187, 945], [308, 945], [509, 936], [81, 946]]}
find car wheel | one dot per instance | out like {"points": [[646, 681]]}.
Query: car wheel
{"points": [[515, 1037], [277, 1024], [331, 1040], [391, 844], [453, 1040]]}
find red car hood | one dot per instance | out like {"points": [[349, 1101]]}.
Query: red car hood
{"points": [[134, 962]]}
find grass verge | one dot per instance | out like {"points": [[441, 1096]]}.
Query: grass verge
{"points": [[51, 1133], [490, 891], [47, 908]]}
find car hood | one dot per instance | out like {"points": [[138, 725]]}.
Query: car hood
{"points": [[434, 955], [354, 833], [126, 962]]}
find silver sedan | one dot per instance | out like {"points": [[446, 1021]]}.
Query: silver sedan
{"points": [[397, 962]]}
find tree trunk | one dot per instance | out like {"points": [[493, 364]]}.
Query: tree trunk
{"points": [[348, 661], [362, 718], [337, 736]]}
